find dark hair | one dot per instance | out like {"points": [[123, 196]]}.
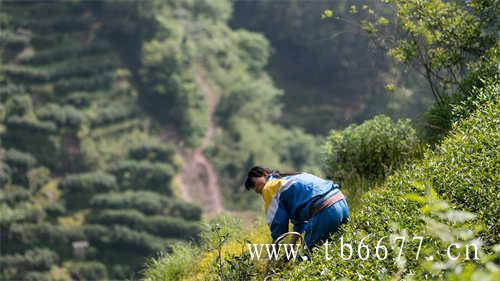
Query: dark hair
{"points": [[258, 171]]}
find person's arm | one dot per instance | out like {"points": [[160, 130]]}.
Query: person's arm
{"points": [[277, 219], [299, 226]]}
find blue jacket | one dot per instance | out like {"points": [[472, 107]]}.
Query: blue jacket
{"points": [[293, 202]]}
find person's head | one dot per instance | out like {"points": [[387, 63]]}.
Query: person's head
{"points": [[257, 178]]}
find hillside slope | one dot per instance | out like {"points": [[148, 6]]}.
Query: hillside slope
{"points": [[427, 198]]}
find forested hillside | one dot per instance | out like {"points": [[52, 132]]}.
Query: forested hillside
{"points": [[86, 187], [97, 98], [331, 72]]}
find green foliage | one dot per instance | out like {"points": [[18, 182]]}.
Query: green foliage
{"points": [[331, 73], [165, 82], [472, 149], [161, 226], [252, 99], [37, 276], [55, 237], [94, 182], [476, 89], [254, 50], [19, 164], [453, 46], [55, 210], [66, 51], [437, 121], [20, 124], [173, 266], [406, 205], [63, 116], [149, 203], [79, 188], [443, 37], [121, 237], [143, 175], [19, 106], [37, 259], [37, 178], [152, 152], [88, 271], [15, 194], [62, 65], [5, 174], [371, 149], [112, 114]]}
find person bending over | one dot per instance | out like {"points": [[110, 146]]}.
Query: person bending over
{"points": [[315, 206]]}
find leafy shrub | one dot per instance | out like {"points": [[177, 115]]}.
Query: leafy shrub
{"points": [[371, 149], [66, 51], [89, 271], [126, 238], [57, 238], [92, 182], [112, 114], [158, 225], [19, 105], [474, 90], [173, 266], [5, 174], [152, 152], [144, 201], [37, 259], [253, 50], [26, 74], [149, 203], [63, 116], [187, 211], [78, 99], [87, 84], [436, 121], [79, 188], [143, 175], [38, 177], [19, 163], [16, 194], [464, 168], [477, 97], [37, 276], [30, 125], [55, 209]]}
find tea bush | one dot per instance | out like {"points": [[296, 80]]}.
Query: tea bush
{"points": [[145, 201], [78, 189], [63, 116], [158, 225], [464, 168], [143, 175], [36, 259], [19, 164], [372, 148], [152, 152], [173, 266], [88, 271], [93, 182]]}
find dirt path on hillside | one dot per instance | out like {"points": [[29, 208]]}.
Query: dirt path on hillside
{"points": [[198, 179]]}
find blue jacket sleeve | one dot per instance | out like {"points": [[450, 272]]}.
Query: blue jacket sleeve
{"points": [[279, 224], [299, 226]]}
